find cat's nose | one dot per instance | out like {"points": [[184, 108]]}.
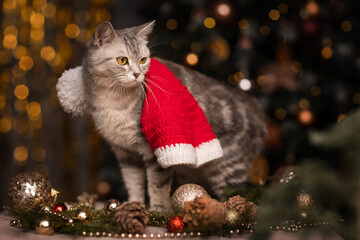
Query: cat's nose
{"points": [[136, 75]]}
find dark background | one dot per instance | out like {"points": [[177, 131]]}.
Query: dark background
{"points": [[300, 58]]}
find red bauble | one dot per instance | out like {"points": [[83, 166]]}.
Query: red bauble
{"points": [[59, 207], [175, 224]]}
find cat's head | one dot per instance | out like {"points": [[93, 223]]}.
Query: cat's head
{"points": [[118, 57]]}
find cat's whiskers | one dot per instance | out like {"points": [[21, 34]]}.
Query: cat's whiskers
{"points": [[152, 93], [156, 44], [156, 85], [112, 90], [143, 91]]}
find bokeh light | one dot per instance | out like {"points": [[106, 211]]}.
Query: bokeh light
{"points": [[5, 124], [312, 8], [103, 188], [223, 9], [26, 63], [20, 105], [10, 41], [37, 20], [305, 117], [11, 29], [326, 42], [21, 91], [304, 104], [171, 24], [243, 24], [346, 26], [192, 59], [72, 30], [220, 48], [264, 30], [283, 8], [274, 14], [47, 53], [50, 10], [9, 4], [33, 109], [37, 34], [327, 52], [20, 51], [280, 113], [39, 5], [21, 153], [245, 84], [209, 22]]}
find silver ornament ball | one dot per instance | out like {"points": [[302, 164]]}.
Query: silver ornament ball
{"points": [[111, 205], [44, 226]]}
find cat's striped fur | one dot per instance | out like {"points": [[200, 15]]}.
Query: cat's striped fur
{"points": [[236, 118]]}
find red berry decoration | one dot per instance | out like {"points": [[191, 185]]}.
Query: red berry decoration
{"points": [[175, 224], [59, 207]]}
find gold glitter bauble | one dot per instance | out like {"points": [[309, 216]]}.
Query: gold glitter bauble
{"points": [[304, 199], [44, 226], [185, 193], [83, 215], [111, 205], [233, 218], [28, 190]]}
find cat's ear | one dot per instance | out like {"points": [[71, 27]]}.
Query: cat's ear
{"points": [[145, 30], [104, 33]]}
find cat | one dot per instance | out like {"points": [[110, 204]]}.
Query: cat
{"points": [[114, 67]]}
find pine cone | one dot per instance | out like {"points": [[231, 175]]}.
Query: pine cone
{"points": [[204, 214], [247, 209], [132, 217]]}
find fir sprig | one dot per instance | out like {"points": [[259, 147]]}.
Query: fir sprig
{"points": [[100, 220]]}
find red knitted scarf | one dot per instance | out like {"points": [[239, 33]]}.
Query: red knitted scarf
{"points": [[173, 123]]}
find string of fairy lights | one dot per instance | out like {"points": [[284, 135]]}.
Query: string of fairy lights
{"points": [[36, 47]]}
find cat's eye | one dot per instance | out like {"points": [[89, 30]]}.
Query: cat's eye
{"points": [[122, 60], [143, 60]]}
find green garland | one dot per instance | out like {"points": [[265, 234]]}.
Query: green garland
{"points": [[101, 222]]}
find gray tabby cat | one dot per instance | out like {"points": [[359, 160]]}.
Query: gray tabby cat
{"points": [[114, 68]]}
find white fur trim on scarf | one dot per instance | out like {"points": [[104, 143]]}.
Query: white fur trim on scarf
{"points": [[186, 154], [208, 151], [177, 154], [71, 92]]}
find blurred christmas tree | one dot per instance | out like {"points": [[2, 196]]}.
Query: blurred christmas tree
{"points": [[300, 58]]}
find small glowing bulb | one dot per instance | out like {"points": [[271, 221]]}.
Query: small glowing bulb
{"points": [[192, 59], [209, 22], [223, 9], [245, 84]]}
